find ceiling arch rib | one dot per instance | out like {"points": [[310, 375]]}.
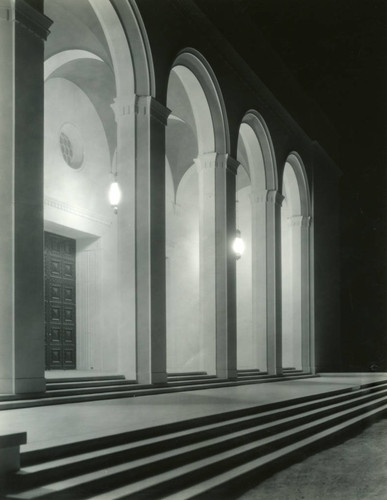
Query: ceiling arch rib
{"points": [[137, 39], [198, 103], [57, 60], [118, 46]]}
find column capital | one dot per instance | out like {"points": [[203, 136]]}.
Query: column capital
{"points": [[6, 11], [274, 197], [205, 161], [123, 105], [30, 18], [300, 220], [258, 198], [216, 160], [148, 106], [231, 164]]}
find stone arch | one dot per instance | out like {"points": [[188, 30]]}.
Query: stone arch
{"points": [[111, 78], [198, 125], [132, 58], [57, 60], [256, 297], [294, 159], [296, 265], [194, 60], [261, 131]]}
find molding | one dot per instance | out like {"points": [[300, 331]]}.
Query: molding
{"points": [[5, 12], [232, 165], [123, 106], [274, 197], [217, 160], [31, 19], [205, 161], [79, 212], [257, 199], [307, 221], [295, 220], [148, 106], [300, 221]]}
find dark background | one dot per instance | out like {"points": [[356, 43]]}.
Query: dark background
{"points": [[336, 49]]}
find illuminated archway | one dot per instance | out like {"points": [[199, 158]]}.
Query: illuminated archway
{"points": [[296, 276], [94, 89], [257, 177], [196, 143]]}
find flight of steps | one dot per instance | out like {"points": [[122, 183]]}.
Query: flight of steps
{"points": [[256, 374], [93, 388], [189, 378], [205, 457]]}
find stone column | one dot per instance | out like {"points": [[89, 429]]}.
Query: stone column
{"points": [[299, 225], [23, 31], [306, 355], [295, 222], [151, 120], [217, 263], [124, 110], [259, 278], [274, 299]]}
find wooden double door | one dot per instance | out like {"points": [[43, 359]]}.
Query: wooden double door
{"points": [[60, 312]]}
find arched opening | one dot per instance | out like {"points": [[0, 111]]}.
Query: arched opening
{"points": [[196, 143], [256, 177], [90, 87], [189, 136], [295, 264]]}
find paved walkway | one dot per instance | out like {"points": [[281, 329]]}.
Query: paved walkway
{"points": [[355, 469], [65, 423]]}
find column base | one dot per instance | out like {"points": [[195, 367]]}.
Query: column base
{"points": [[228, 374], [30, 385]]}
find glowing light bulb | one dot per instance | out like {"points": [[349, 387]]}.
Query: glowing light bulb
{"points": [[114, 195], [238, 245]]}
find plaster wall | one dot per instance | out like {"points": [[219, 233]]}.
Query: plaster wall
{"points": [[185, 348], [76, 205]]}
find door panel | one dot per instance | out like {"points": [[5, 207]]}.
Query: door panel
{"points": [[60, 311]]}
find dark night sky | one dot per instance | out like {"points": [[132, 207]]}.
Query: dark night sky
{"points": [[337, 51]]}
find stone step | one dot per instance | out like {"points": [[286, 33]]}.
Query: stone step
{"points": [[74, 384], [84, 395], [248, 373], [83, 456], [171, 470], [222, 484], [85, 378], [182, 378], [289, 406]]}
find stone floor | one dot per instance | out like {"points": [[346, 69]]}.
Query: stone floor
{"points": [[355, 469], [65, 423]]}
